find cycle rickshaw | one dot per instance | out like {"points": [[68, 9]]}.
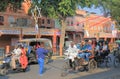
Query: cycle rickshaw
{"points": [[78, 64], [116, 53]]}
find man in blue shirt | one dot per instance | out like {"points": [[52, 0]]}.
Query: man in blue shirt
{"points": [[85, 51], [88, 50], [41, 52], [81, 51]]}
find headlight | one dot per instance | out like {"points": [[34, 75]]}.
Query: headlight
{"points": [[3, 61]]}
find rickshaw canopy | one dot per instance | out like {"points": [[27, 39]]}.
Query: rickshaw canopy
{"points": [[44, 40], [117, 41]]}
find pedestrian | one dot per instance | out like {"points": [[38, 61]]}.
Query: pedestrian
{"points": [[41, 52]]}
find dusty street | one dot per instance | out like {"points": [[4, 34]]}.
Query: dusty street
{"points": [[54, 68]]}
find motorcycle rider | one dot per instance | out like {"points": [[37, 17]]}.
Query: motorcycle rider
{"points": [[15, 56]]}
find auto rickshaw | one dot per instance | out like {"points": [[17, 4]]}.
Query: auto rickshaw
{"points": [[30, 44]]}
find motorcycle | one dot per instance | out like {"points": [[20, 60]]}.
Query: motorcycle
{"points": [[6, 66]]}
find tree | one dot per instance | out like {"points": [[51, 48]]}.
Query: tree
{"points": [[110, 8], [15, 4], [60, 9]]}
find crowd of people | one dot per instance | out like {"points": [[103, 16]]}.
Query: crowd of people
{"points": [[87, 48], [84, 50]]}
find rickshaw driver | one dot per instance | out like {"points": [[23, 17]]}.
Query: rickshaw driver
{"points": [[72, 52]]}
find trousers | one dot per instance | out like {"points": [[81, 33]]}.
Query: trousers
{"points": [[41, 65], [84, 55]]}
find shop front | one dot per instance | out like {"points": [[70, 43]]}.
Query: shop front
{"points": [[10, 36]]}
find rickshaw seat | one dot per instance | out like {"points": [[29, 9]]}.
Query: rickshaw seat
{"points": [[92, 56]]}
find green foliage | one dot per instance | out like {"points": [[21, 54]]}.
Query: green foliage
{"points": [[111, 7], [60, 8], [16, 4]]}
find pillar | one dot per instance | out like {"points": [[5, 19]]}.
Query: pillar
{"points": [[7, 49], [111, 40], [21, 34], [105, 39], [54, 41]]}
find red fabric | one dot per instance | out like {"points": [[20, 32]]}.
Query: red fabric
{"points": [[23, 59], [23, 51]]}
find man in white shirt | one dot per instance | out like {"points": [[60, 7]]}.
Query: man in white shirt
{"points": [[15, 56], [72, 52]]}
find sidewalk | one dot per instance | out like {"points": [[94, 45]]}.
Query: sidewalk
{"points": [[57, 57]]}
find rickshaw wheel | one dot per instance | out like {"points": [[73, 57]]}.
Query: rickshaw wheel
{"points": [[92, 65], [116, 62]]}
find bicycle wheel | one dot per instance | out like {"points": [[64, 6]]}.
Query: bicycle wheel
{"points": [[116, 62], [108, 61], [92, 65]]}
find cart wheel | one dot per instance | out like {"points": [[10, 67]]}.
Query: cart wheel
{"points": [[116, 62], [108, 61], [92, 65]]}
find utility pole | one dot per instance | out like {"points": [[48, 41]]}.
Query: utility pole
{"points": [[36, 14]]}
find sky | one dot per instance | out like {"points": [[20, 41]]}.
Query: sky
{"points": [[93, 9], [97, 10]]}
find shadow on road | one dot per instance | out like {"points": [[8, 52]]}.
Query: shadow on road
{"points": [[18, 71], [108, 74], [4, 77]]}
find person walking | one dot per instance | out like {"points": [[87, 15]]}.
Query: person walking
{"points": [[41, 52]]}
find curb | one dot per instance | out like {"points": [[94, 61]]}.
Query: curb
{"points": [[57, 57]]}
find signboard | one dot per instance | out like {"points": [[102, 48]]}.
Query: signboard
{"points": [[41, 32], [10, 31]]}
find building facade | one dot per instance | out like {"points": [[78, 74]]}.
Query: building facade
{"points": [[74, 30], [86, 25], [18, 25]]}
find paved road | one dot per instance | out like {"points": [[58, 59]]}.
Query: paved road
{"points": [[54, 68]]}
